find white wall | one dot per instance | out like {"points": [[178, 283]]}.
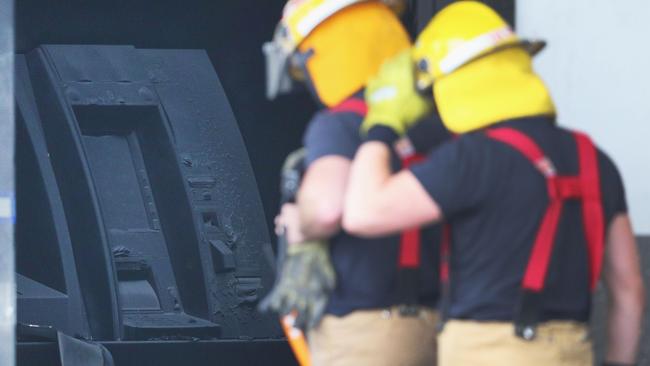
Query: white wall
{"points": [[597, 65], [7, 283]]}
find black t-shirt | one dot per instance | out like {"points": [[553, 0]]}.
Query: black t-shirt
{"points": [[494, 199], [366, 269], [428, 133]]}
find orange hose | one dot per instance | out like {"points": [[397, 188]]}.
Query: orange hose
{"points": [[297, 340]]}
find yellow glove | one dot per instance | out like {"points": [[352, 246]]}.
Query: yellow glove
{"points": [[392, 99]]}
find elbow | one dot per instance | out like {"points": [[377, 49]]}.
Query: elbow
{"points": [[641, 297], [358, 224], [328, 218], [630, 299], [635, 301], [362, 218], [325, 220]]}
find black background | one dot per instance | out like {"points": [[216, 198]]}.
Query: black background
{"points": [[231, 31]]}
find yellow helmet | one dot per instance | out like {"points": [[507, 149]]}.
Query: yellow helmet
{"points": [[336, 45], [398, 6], [480, 70]]}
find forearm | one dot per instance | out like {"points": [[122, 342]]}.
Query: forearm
{"points": [[317, 221], [624, 325], [370, 171], [321, 195], [622, 276], [379, 203]]}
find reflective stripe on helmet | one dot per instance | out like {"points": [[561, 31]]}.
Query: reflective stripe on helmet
{"points": [[473, 48], [319, 14]]}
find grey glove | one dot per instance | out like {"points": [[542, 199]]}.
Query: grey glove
{"points": [[305, 281]]}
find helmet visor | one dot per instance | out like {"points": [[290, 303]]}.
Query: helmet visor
{"points": [[278, 77]]}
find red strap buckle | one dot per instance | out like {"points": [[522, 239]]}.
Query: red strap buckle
{"points": [[564, 188]]}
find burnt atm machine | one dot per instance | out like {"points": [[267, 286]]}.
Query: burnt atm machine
{"points": [[139, 222]]}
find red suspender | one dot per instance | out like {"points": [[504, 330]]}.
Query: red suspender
{"points": [[593, 217], [445, 251], [409, 256], [541, 253], [351, 105], [585, 186]]}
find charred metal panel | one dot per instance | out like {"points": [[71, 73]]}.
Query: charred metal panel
{"points": [[231, 32], [44, 250], [222, 190], [92, 254], [173, 353], [152, 202]]}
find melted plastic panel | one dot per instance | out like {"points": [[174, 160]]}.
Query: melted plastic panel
{"points": [[166, 225]]}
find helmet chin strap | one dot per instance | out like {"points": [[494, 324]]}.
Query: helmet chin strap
{"points": [[299, 61]]}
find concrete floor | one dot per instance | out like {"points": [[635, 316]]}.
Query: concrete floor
{"points": [[600, 309]]}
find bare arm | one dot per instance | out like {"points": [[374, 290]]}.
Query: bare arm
{"points": [[626, 292], [321, 196], [287, 223], [379, 203]]}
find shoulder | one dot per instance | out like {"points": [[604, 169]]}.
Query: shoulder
{"points": [[611, 185], [326, 125], [330, 133], [610, 176], [607, 167], [328, 119], [605, 162], [460, 174], [470, 147], [476, 160], [467, 157]]}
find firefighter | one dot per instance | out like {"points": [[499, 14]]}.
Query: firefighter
{"points": [[382, 309], [535, 209]]}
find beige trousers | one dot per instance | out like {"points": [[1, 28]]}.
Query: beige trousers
{"points": [[471, 343], [375, 337]]}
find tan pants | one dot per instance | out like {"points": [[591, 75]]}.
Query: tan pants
{"points": [[377, 337], [470, 343]]}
